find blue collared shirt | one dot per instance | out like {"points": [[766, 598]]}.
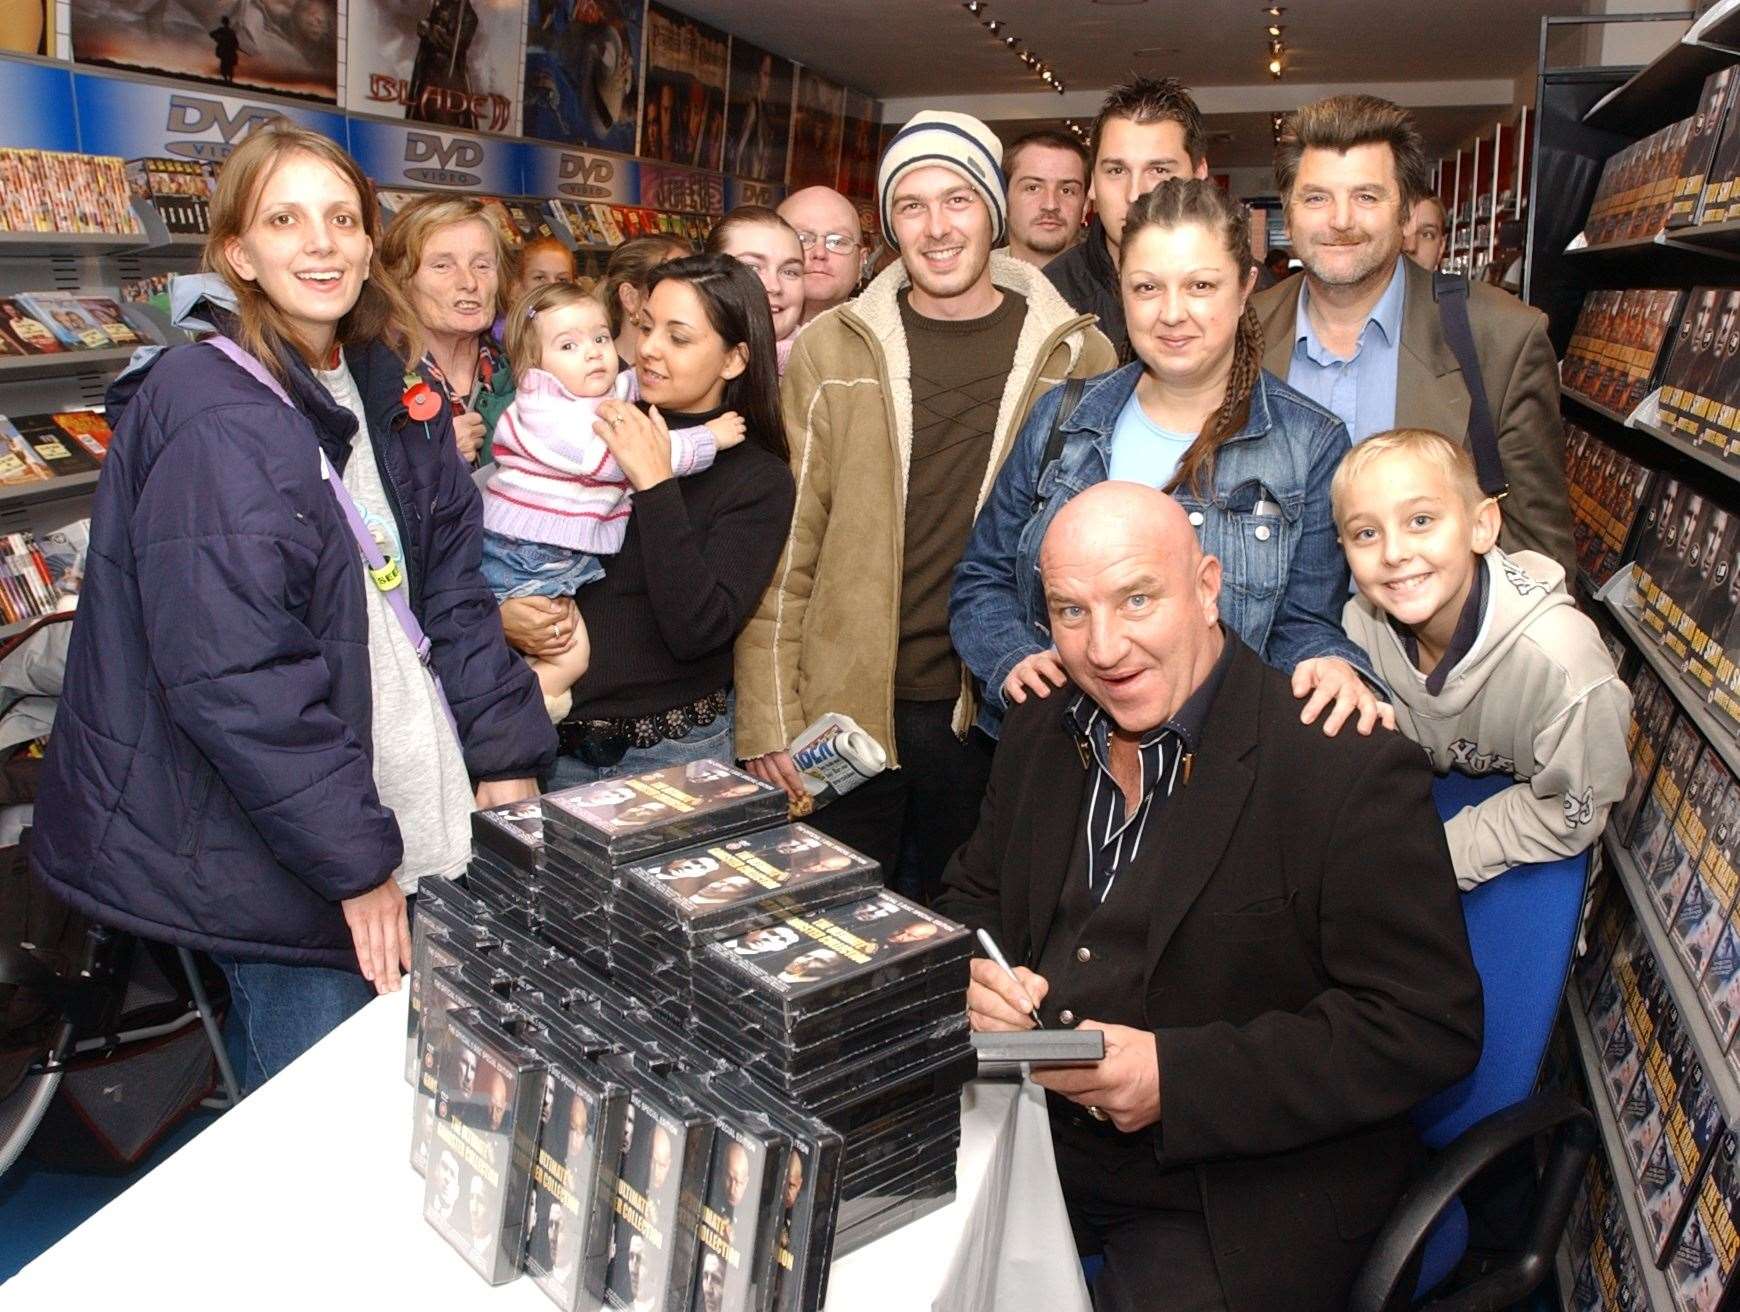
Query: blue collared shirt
{"points": [[1360, 391]]}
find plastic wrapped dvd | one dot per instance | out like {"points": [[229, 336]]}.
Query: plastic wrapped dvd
{"points": [[498, 889], [1708, 1249], [441, 935], [754, 1047], [738, 1225], [667, 1152], [574, 1175], [808, 963], [615, 821], [448, 988], [726, 888], [486, 1122], [1694, 1124], [809, 1198], [514, 832]]}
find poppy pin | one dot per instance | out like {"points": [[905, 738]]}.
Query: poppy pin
{"points": [[420, 400]]}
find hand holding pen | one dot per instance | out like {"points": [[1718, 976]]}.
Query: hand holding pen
{"points": [[1001, 997]]}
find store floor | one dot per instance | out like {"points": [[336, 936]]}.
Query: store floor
{"points": [[38, 1204]]}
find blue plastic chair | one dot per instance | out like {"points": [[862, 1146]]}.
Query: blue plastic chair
{"points": [[1522, 931]]}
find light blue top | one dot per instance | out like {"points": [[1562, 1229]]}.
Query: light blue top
{"points": [[1360, 391], [1142, 451]]}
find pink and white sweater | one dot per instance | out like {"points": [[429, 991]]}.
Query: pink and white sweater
{"points": [[556, 481]]}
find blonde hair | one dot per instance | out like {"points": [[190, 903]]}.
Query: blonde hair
{"points": [[1443, 455], [525, 343], [413, 226], [380, 313], [1172, 204]]}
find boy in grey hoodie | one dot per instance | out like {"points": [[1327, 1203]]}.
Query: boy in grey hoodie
{"points": [[1492, 667]]}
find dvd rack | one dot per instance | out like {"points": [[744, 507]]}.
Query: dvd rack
{"points": [[1591, 237]]}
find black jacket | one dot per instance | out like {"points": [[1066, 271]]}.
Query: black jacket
{"points": [[1089, 282], [1308, 977], [210, 779]]}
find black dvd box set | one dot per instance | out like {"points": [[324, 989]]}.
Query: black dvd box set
{"points": [[672, 1052]]}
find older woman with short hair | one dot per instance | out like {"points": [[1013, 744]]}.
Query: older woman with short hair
{"points": [[450, 258]]}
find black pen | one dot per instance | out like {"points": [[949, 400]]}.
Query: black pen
{"points": [[996, 954]]}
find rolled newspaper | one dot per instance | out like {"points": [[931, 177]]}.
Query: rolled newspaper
{"points": [[833, 756]]}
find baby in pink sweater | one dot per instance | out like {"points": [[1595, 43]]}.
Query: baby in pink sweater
{"points": [[558, 500]]}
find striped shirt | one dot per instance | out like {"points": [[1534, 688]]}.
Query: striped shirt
{"points": [[1114, 830]]}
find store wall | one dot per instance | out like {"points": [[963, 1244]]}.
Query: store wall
{"points": [[628, 77]]}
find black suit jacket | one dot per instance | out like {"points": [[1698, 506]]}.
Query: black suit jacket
{"points": [[1309, 977]]}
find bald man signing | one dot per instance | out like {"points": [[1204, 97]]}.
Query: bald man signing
{"points": [[1263, 921]]}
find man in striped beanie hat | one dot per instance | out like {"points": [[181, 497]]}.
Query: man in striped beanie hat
{"points": [[900, 406]]}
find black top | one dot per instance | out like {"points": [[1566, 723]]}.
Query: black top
{"points": [[698, 554], [1088, 280]]}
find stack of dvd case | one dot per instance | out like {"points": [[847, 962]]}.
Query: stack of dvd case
{"points": [[855, 1015], [663, 913], [670, 1052]]}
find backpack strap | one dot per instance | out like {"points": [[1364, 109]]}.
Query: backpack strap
{"points": [[1072, 390], [383, 572], [1451, 293]]}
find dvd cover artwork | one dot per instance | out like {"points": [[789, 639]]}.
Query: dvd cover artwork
{"points": [[667, 1148], [475, 1192], [447, 989], [1654, 830], [739, 1217], [513, 831], [807, 962], [1710, 894], [741, 883], [1655, 552], [573, 1180], [621, 819], [1705, 791], [1702, 1266], [1653, 720], [1690, 340], [1700, 155], [1719, 985], [1694, 1125]]}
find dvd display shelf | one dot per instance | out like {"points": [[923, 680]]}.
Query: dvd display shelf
{"points": [[1645, 421], [1655, 1284], [1616, 599], [1684, 988], [1667, 87]]}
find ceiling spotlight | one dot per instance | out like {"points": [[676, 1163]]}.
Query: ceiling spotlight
{"points": [[994, 25], [1011, 41], [1057, 87], [1275, 11], [1277, 48], [1275, 69], [973, 6], [1274, 29]]}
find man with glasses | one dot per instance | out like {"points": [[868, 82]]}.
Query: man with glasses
{"points": [[899, 408], [833, 241]]}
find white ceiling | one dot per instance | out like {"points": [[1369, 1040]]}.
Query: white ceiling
{"points": [[1464, 52]]}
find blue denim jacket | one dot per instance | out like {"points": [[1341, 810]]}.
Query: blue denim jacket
{"points": [[1284, 579]]}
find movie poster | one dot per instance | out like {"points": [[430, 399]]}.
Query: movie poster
{"points": [[285, 46], [858, 146], [759, 124], [455, 63], [686, 65], [815, 145], [583, 72]]}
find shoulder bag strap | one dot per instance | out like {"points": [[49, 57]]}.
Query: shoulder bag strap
{"points": [[1072, 390], [1451, 293], [385, 574]]}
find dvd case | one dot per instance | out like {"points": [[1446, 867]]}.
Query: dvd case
{"points": [[1702, 1266], [615, 821], [486, 1123], [1709, 891], [667, 1150]]}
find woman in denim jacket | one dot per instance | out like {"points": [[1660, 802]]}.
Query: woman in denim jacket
{"points": [[1249, 458]]}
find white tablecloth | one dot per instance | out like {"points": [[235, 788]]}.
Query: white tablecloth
{"points": [[303, 1198]]}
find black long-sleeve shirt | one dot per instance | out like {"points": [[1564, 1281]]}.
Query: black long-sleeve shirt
{"points": [[698, 554]]}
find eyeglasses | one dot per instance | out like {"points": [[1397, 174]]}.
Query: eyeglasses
{"points": [[838, 243]]}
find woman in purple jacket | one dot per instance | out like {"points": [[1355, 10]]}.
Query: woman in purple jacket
{"points": [[257, 752]]}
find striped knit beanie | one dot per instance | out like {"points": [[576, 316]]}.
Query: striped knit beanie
{"points": [[954, 141]]}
